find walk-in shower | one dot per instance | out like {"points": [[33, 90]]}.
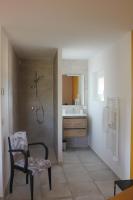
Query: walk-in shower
{"points": [[38, 108]]}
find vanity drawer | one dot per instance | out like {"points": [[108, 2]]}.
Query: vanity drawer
{"points": [[74, 133], [75, 123]]}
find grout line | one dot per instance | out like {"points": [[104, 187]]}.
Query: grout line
{"points": [[67, 182], [92, 180]]}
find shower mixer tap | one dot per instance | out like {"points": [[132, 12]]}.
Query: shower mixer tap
{"points": [[35, 108]]}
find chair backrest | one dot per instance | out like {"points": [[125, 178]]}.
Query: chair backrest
{"points": [[18, 141]]}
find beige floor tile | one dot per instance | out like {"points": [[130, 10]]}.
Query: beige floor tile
{"points": [[59, 190], [107, 188], [82, 188], [58, 199], [20, 192], [73, 167], [94, 167], [103, 174], [86, 152], [70, 157], [89, 158], [65, 199], [75, 172], [91, 196]]}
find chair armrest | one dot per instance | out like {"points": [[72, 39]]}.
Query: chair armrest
{"points": [[25, 154], [43, 145]]}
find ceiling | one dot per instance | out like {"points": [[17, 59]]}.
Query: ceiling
{"points": [[80, 27]]}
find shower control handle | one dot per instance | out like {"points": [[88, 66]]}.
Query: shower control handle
{"points": [[33, 108]]}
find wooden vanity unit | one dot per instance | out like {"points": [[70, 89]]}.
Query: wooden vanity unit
{"points": [[74, 126]]}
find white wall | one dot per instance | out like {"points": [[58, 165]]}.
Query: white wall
{"points": [[6, 106], [1, 143], [115, 63]]}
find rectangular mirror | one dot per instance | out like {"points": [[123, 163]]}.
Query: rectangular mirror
{"points": [[72, 89]]}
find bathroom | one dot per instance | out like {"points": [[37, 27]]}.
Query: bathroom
{"points": [[37, 105], [36, 101]]}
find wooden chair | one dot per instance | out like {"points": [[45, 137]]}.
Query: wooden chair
{"points": [[20, 160]]}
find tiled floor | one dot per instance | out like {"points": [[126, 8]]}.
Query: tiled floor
{"points": [[82, 177]]}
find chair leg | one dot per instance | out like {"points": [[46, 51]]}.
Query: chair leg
{"points": [[32, 186], [11, 180], [49, 177], [114, 189], [27, 178]]}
